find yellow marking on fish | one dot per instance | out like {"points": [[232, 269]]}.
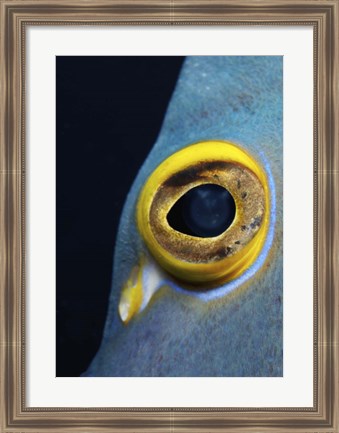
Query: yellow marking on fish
{"points": [[131, 295], [144, 280]]}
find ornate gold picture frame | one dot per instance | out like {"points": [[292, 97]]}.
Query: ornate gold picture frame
{"points": [[16, 17]]}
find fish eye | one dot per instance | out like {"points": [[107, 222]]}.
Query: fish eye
{"points": [[204, 212]]}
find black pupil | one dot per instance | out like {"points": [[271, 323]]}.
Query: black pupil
{"points": [[204, 211]]}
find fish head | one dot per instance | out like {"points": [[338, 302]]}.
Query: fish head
{"points": [[183, 304]]}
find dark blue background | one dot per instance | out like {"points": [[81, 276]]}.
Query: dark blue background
{"points": [[108, 115]]}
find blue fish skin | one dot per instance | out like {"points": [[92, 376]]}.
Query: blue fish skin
{"points": [[237, 99]]}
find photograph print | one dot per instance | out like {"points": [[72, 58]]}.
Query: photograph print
{"points": [[169, 216]]}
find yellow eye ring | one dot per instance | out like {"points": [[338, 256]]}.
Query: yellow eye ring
{"points": [[206, 260]]}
